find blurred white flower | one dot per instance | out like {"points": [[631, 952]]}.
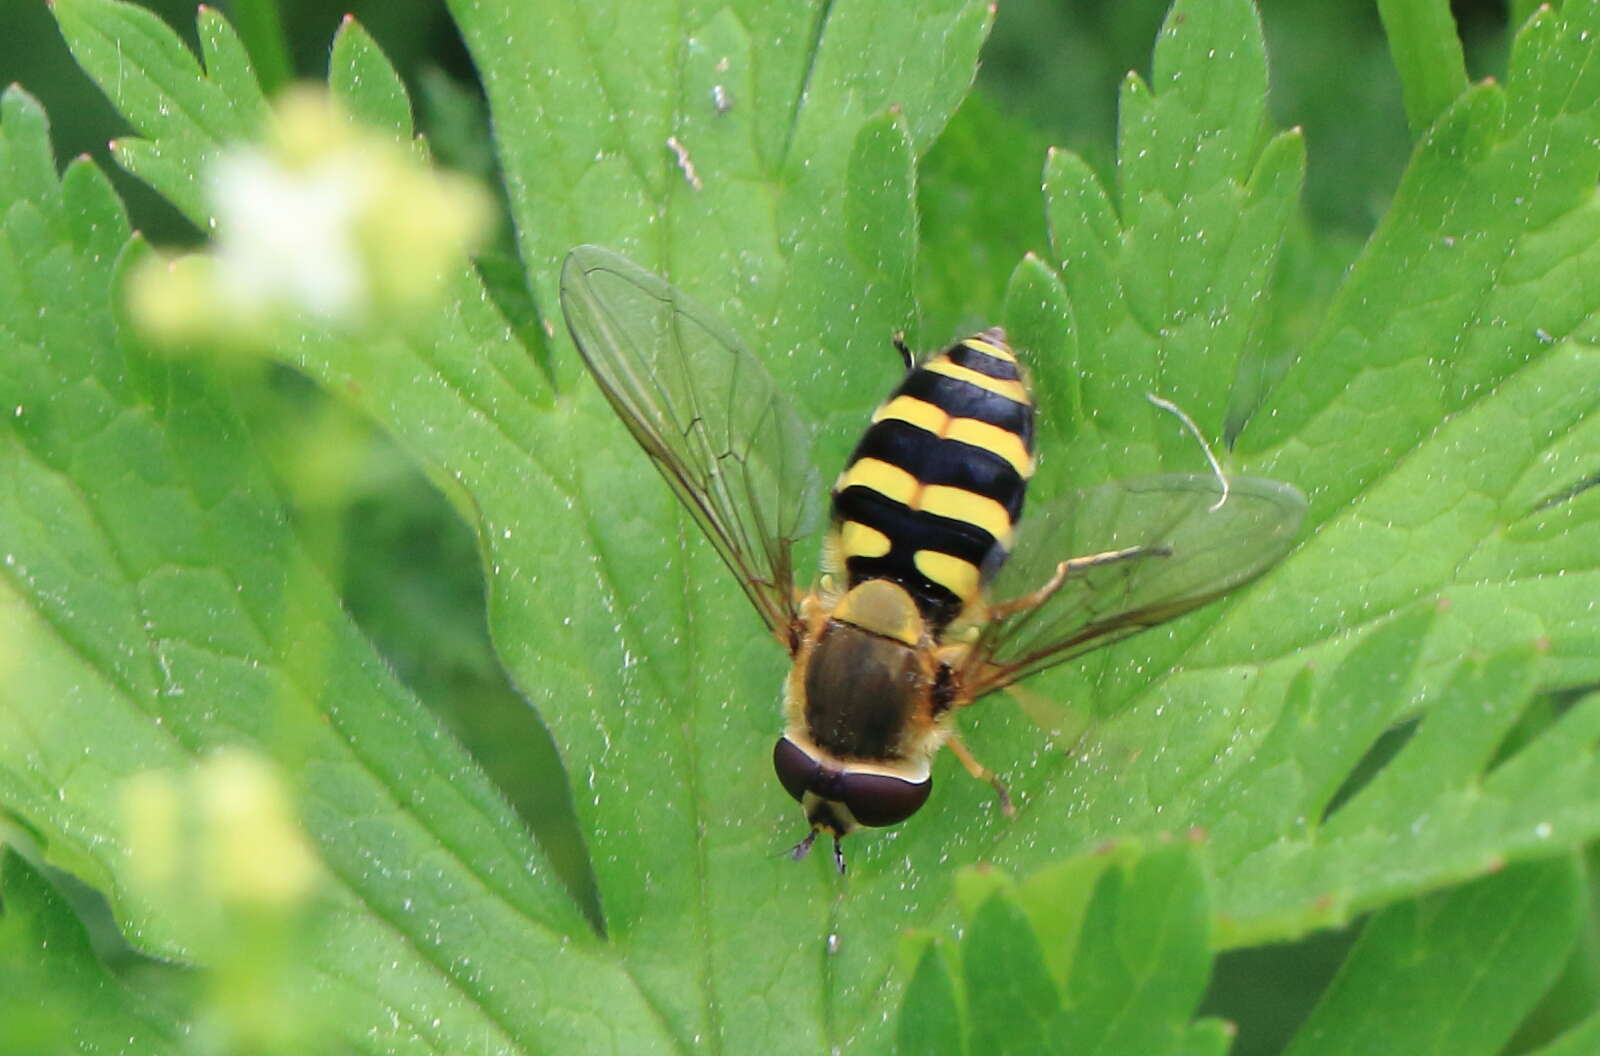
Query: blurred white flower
{"points": [[287, 235], [324, 219]]}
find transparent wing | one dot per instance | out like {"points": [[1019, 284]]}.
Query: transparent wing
{"points": [[1184, 553], [706, 412]]}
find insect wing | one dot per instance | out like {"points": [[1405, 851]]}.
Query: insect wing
{"points": [[706, 412], [1190, 551]]}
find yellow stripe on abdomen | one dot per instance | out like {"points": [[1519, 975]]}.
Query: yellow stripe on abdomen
{"points": [[989, 349], [886, 479], [958, 504], [1011, 389], [1002, 442], [915, 412], [861, 540], [953, 574]]}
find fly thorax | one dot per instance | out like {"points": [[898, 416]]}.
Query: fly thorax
{"points": [[866, 681], [862, 693]]}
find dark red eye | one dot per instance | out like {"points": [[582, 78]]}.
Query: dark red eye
{"points": [[878, 799], [796, 770]]}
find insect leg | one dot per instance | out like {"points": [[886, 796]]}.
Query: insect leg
{"points": [[982, 773], [1111, 557], [803, 848], [1071, 567], [906, 354]]}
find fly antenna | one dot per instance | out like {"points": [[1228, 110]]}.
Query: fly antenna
{"points": [[803, 848], [838, 854], [901, 347], [1216, 467]]}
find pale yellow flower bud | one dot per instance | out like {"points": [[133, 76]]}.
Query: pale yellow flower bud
{"points": [[219, 839], [254, 851]]}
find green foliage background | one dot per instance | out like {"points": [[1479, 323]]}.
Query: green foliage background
{"points": [[1390, 729]]}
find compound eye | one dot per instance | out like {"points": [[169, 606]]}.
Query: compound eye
{"points": [[878, 799], [797, 771]]}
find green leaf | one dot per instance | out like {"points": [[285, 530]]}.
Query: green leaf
{"points": [[1579, 1041], [968, 191], [55, 987], [800, 235], [1430, 816], [157, 598], [261, 26], [1165, 296], [360, 77], [537, 483], [1427, 54], [1454, 973], [930, 1016], [27, 166], [1438, 420], [1521, 11], [1208, 1037], [584, 133], [1038, 314], [158, 86], [1011, 998], [1057, 898], [1142, 960], [1460, 523], [228, 65], [1124, 976], [881, 215]]}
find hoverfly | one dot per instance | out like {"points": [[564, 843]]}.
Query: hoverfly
{"points": [[899, 633]]}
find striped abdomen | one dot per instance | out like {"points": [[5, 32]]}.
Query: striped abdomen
{"points": [[931, 496]]}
